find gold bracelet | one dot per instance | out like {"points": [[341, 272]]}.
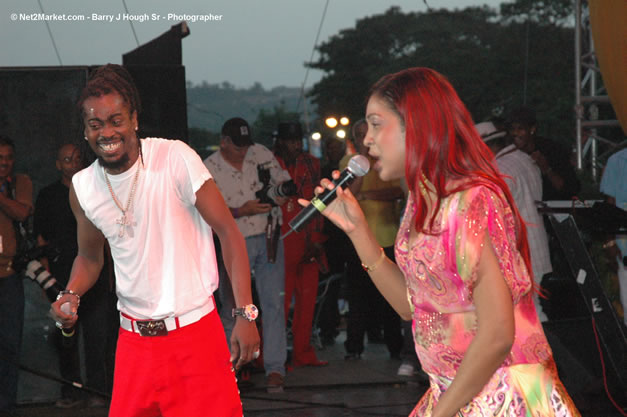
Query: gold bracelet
{"points": [[376, 264]]}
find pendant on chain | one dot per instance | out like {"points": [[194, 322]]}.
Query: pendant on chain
{"points": [[125, 221], [122, 222]]}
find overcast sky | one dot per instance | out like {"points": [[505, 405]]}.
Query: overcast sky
{"points": [[254, 40]]}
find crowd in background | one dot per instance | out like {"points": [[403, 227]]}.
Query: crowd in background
{"points": [[302, 280]]}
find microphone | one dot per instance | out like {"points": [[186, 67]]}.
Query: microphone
{"points": [[358, 166]]}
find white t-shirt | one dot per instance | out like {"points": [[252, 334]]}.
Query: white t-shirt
{"points": [[165, 262], [525, 182]]}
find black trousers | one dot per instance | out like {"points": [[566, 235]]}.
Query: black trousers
{"points": [[367, 309], [98, 323]]}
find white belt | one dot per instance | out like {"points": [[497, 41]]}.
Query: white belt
{"points": [[171, 323]]}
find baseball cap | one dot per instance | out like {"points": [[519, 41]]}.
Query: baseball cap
{"points": [[488, 131], [238, 130]]}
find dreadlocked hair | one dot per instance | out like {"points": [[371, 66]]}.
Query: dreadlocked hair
{"points": [[108, 79]]}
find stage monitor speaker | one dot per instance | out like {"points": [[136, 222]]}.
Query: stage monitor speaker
{"points": [[608, 330], [165, 49], [578, 359]]}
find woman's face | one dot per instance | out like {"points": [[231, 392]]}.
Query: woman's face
{"points": [[385, 140]]}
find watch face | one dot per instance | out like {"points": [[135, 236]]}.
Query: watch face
{"points": [[251, 312]]}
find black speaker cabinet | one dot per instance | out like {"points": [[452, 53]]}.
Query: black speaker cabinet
{"points": [[580, 343], [164, 100]]}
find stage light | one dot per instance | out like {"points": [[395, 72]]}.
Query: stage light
{"points": [[331, 122], [341, 133], [344, 121], [316, 136]]}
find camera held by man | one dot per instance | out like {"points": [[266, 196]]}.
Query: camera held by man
{"points": [[269, 192]]}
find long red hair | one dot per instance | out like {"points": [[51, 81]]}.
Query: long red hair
{"points": [[441, 143]]}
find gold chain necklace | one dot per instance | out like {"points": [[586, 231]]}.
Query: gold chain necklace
{"points": [[126, 219]]}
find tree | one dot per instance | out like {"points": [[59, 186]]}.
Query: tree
{"points": [[548, 12], [210, 105], [203, 141], [481, 53]]}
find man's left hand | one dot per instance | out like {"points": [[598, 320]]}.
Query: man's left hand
{"points": [[244, 342]]}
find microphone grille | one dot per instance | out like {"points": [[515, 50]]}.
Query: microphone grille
{"points": [[359, 165]]}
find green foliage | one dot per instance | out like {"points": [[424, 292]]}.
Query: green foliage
{"points": [[210, 105], [203, 141], [481, 52], [545, 12]]}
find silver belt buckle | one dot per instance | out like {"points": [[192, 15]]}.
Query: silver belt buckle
{"points": [[152, 328]]}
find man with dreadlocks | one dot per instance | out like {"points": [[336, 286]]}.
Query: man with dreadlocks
{"points": [[156, 204]]}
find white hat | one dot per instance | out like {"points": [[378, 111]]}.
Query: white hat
{"points": [[488, 131]]}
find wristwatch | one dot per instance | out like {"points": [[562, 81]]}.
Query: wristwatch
{"points": [[249, 312]]}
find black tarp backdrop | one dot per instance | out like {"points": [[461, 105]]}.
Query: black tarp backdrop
{"points": [[38, 104], [38, 111], [157, 69]]}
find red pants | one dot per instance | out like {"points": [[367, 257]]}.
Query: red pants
{"points": [[186, 373], [301, 281]]}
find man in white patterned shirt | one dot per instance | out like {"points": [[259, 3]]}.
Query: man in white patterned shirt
{"points": [[235, 169], [522, 175]]}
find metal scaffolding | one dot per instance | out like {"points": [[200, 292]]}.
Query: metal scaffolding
{"points": [[589, 94]]}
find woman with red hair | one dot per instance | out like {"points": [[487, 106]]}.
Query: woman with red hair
{"points": [[462, 256]]}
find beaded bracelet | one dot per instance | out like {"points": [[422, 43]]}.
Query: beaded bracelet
{"points": [[63, 292], [376, 264]]}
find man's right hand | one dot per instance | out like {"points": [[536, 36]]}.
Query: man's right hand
{"points": [[67, 319], [252, 207], [244, 342]]}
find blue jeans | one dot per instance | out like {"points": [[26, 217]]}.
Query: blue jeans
{"points": [[11, 327], [270, 284]]}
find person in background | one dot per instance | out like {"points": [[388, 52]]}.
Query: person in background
{"points": [[614, 186], [55, 226], [337, 249], [462, 257], [304, 253], [559, 179], [236, 168], [16, 204], [522, 176], [366, 307]]}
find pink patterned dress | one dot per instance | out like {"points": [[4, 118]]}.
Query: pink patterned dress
{"points": [[440, 271]]}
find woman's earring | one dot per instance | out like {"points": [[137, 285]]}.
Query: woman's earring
{"points": [[86, 138]]}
